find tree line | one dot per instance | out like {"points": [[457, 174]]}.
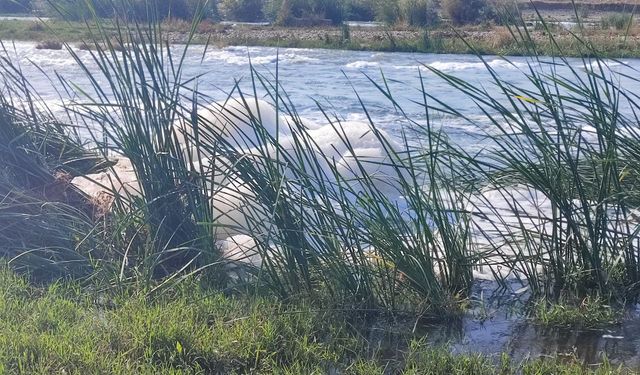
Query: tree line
{"points": [[279, 12]]}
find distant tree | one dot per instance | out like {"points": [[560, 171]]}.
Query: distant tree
{"points": [[387, 11], [359, 10], [333, 10], [130, 9], [271, 10], [75, 10], [241, 10], [466, 11], [210, 9], [181, 9], [506, 11], [419, 12], [283, 12]]}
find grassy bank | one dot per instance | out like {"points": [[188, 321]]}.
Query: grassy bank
{"points": [[489, 39], [65, 328]]}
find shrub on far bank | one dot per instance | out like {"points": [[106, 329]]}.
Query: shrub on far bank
{"points": [[422, 13], [466, 11], [619, 21], [304, 12], [180, 9], [419, 12], [408, 12], [360, 10], [241, 10], [75, 10], [505, 12], [387, 11]]}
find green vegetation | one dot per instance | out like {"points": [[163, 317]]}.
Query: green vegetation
{"points": [[66, 328], [170, 225], [414, 26], [281, 12], [78, 10], [465, 11], [241, 10], [590, 313], [619, 21], [486, 40]]}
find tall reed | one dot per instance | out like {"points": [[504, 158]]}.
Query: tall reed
{"points": [[394, 228], [45, 223], [565, 139], [320, 227]]}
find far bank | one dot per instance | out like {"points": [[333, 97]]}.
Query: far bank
{"points": [[550, 38]]}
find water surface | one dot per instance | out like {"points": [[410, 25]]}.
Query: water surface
{"points": [[331, 77]]}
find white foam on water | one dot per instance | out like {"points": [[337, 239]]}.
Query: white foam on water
{"points": [[290, 58], [237, 211], [500, 217], [497, 216], [27, 53], [234, 121], [227, 56], [298, 58], [456, 66], [596, 65], [244, 57], [362, 65], [240, 248], [236, 206]]}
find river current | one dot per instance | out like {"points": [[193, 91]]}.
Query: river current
{"points": [[331, 78]]}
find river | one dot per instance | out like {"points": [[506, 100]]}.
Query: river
{"points": [[332, 77]]}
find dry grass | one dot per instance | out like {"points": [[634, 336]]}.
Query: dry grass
{"points": [[501, 38]]}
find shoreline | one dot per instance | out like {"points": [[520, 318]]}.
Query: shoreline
{"points": [[486, 40]]}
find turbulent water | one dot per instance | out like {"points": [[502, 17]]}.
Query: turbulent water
{"points": [[331, 77]]}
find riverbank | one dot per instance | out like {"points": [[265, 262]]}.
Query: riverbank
{"points": [[66, 328], [488, 39]]}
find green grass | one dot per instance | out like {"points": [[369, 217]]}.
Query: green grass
{"points": [[42, 31], [590, 313], [619, 21], [62, 329], [313, 226], [67, 328]]}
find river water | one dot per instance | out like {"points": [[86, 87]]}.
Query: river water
{"points": [[332, 77]]}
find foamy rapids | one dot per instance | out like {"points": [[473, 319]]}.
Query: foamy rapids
{"points": [[496, 215]]}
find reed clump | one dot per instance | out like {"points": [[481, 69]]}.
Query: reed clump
{"points": [[247, 186]]}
